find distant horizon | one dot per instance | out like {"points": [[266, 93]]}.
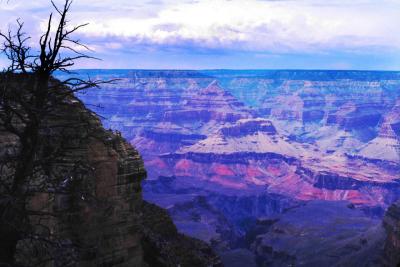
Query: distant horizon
{"points": [[241, 69]]}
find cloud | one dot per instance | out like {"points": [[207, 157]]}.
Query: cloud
{"points": [[282, 27], [279, 26]]}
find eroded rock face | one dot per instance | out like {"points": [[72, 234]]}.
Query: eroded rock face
{"points": [[319, 234], [234, 146], [101, 218], [391, 222]]}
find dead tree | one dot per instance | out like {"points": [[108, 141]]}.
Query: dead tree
{"points": [[29, 95]]}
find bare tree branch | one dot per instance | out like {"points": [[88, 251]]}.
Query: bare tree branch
{"points": [[29, 100]]}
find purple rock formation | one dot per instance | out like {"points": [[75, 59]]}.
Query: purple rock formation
{"points": [[226, 148]]}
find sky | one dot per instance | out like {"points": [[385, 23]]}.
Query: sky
{"points": [[228, 34]]}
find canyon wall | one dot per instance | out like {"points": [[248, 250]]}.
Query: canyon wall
{"points": [[226, 149], [98, 217], [391, 222]]}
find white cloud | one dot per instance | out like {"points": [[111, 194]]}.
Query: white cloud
{"points": [[273, 26], [280, 26]]}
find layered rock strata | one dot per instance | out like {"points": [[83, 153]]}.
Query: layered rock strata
{"points": [[391, 222], [233, 146], [98, 217]]}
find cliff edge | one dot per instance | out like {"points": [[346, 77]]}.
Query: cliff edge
{"points": [[391, 222], [97, 217]]}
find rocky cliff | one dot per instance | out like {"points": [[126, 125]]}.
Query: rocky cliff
{"points": [[236, 146], [98, 217], [391, 222]]}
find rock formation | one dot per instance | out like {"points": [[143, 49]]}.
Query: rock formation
{"points": [[237, 146], [102, 219], [319, 234], [391, 222]]}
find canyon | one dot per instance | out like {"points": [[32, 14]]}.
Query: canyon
{"points": [[270, 168]]}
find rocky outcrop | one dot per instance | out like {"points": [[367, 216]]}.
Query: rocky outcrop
{"points": [[386, 145], [318, 234], [98, 217], [164, 246], [391, 222]]}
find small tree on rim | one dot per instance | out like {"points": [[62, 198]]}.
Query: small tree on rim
{"points": [[29, 95]]}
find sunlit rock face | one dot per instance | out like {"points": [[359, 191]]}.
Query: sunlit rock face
{"points": [[386, 145], [226, 148]]}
